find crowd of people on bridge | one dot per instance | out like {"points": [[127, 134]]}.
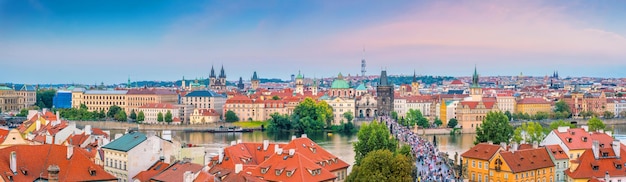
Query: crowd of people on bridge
{"points": [[431, 166]]}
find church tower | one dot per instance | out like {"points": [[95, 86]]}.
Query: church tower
{"points": [[182, 83], [212, 77], [314, 88], [476, 92], [255, 81], [384, 92], [240, 85], [300, 84], [415, 86]]}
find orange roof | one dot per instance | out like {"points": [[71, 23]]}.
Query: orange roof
{"points": [[604, 164], [285, 167], [175, 172], [204, 177], [77, 140], [482, 151], [473, 104], [557, 151], [456, 82], [578, 138], [533, 101], [158, 106], [50, 116], [239, 99], [156, 168], [208, 112], [3, 134], [35, 160], [526, 160], [316, 154], [98, 131]]}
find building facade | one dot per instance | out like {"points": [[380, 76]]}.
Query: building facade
{"points": [[533, 105], [205, 99], [385, 94]]}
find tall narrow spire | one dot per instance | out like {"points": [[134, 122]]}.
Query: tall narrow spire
{"points": [[212, 75], [254, 76], [222, 74], [475, 78], [128, 84], [414, 77]]}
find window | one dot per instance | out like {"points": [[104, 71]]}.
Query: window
{"points": [[480, 177], [486, 165], [473, 163], [473, 177], [480, 165], [506, 176]]}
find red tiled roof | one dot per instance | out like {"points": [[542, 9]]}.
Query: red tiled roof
{"points": [[300, 167], [316, 154], [526, 160], [473, 104], [239, 99], [204, 177], [557, 151], [175, 172], [98, 131], [77, 140], [35, 159], [580, 139], [50, 116], [456, 82], [3, 134], [604, 164], [208, 112], [482, 151], [158, 106], [533, 101], [156, 168]]}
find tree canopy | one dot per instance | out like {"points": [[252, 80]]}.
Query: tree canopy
{"points": [[231, 116], [555, 124], [415, 116], [452, 123], [141, 117], [383, 165], [160, 117], [595, 124], [562, 110], [168, 116], [44, 98], [348, 115], [133, 115], [113, 110], [120, 116], [495, 127], [529, 132], [373, 136], [311, 116]]}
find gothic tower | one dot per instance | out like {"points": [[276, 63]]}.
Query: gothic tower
{"points": [[182, 83], [415, 86], [240, 84], [299, 83], [212, 77], [255, 81], [476, 92], [314, 88], [384, 91]]}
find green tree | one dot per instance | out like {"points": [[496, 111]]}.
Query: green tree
{"points": [[452, 123], [133, 115], [44, 98], [508, 115], [619, 94], [529, 132], [113, 110], [168, 116], [563, 110], [437, 122], [556, 124], [141, 117], [541, 115], [231, 116], [309, 115], [383, 165], [160, 117], [394, 115], [120, 116], [495, 127], [586, 114], [595, 124], [279, 122], [373, 136], [348, 115], [608, 115], [82, 107], [23, 113], [414, 116], [102, 115], [325, 113], [275, 97]]}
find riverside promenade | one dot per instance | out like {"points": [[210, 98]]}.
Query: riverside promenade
{"points": [[114, 125]]}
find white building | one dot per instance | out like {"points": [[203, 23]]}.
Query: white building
{"points": [[203, 99]]}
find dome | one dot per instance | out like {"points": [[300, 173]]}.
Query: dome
{"points": [[361, 87], [340, 83]]}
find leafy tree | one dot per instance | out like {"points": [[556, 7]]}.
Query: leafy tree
{"points": [[406, 151], [168, 116], [529, 132], [113, 110], [373, 136], [82, 107], [23, 113], [309, 115], [508, 115], [275, 97], [561, 106], [437, 122], [383, 165], [555, 124], [414, 116], [495, 127], [160, 117], [102, 115], [595, 124], [541, 115], [394, 115], [452, 123], [141, 117], [44, 98], [608, 115], [324, 112], [133, 115], [121, 116], [348, 115], [279, 122], [231, 116], [586, 114], [622, 114]]}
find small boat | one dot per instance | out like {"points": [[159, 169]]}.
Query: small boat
{"points": [[229, 129]]}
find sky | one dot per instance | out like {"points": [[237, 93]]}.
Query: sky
{"points": [[63, 41]]}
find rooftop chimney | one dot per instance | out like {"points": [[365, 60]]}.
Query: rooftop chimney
{"points": [[188, 176], [616, 148], [562, 129], [293, 137], [490, 142], [266, 144], [13, 161], [595, 148], [503, 145], [610, 133], [220, 155], [239, 141], [514, 147], [233, 143], [606, 176], [87, 129], [37, 125], [279, 151], [303, 135], [58, 117], [535, 144], [238, 168], [585, 127], [70, 151], [53, 173]]}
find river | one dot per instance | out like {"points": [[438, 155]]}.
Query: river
{"points": [[337, 144]]}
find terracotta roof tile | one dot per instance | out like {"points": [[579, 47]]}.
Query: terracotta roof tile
{"points": [[526, 160], [604, 164], [557, 151], [175, 172], [156, 168], [285, 167], [482, 151], [578, 138]]}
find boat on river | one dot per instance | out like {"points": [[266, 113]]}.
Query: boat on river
{"points": [[229, 129]]}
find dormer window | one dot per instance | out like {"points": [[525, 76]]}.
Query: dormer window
{"points": [[290, 173], [605, 154], [264, 170], [618, 166], [595, 168], [569, 140], [278, 172], [584, 139]]}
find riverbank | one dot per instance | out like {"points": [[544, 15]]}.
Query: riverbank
{"points": [[112, 125]]}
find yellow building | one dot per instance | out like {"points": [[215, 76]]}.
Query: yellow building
{"points": [[10, 100], [140, 97], [477, 161], [533, 164], [532, 106], [97, 100], [470, 114]]}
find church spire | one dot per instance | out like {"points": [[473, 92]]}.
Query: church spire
{"points": [[222, 74], [475, 78], [414, 77], [212, 75], [128, 84]]}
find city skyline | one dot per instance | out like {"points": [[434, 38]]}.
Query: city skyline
{"points": [[107, 41]]}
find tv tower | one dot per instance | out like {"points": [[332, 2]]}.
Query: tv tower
{"points": [[363, 65]]}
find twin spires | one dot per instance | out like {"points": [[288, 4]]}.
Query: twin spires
{"points": [[222, 73]]}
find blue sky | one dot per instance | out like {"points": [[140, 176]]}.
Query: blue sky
{"points": [[97, 41]]}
